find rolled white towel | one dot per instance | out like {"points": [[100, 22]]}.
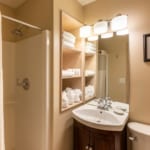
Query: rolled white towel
{"points": [[89, 91], [64, 100]]}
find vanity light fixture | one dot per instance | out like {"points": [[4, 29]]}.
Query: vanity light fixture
{"points": [[93, 38], [85, 31], [122, 32], [107, 35], [119, 22], [100, 27], [105, 28]]}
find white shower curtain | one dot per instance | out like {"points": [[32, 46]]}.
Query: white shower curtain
{"points": [[2, 145]]}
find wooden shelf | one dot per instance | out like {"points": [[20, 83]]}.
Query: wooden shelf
{"points": [[76, 58], [73, 77], [68, 50], [72, 106], [90, 54], [69, 23], [90, 76]]}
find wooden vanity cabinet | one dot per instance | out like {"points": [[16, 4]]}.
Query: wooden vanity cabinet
{"points": [[86, 138]]}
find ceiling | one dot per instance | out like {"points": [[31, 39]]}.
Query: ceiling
{"points": [[17, 3], [12, 3], [85, 2]]}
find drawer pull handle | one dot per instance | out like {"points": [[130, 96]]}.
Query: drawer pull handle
{"points": [[90, 148], [132, 138]]}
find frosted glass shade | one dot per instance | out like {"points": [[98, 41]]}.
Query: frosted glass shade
{"points": [[100, 27], [119, 22], [107, 35], [122, 32], [85, 31], [93, 38]]}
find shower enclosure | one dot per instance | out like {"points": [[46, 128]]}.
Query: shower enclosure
{"points": [[102, 85], [26, 79]]}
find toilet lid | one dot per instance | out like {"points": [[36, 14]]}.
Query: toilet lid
{"points": [[139, 128]]}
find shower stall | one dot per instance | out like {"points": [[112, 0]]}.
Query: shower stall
{"points": [[102, 86], [26, 80]]}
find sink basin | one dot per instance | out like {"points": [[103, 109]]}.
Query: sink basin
{"points": [[100, 119], [97, 116]]}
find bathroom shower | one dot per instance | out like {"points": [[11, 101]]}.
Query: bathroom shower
{"points": [[19, 31], [26, 86]]}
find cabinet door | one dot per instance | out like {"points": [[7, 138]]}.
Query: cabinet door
{"points": [[103, 142], [81, 138]]}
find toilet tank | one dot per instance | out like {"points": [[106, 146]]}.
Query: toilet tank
{"points": [[139, 136]]}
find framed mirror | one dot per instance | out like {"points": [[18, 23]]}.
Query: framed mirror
{"points": [[113, 68]]}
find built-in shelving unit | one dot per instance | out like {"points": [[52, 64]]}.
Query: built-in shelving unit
{"points": [[74, 59]]}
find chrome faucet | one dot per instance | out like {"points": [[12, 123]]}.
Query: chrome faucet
{"points": [[104, 103]]}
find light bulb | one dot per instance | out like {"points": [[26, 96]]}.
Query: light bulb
{"points": [[93, 38], [107, 35], [85, 31], [119, 22], [100, 27], [122, 32]]}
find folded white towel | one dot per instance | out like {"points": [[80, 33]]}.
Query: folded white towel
{"points": [[68, 44], [90, 52], [89, 72], [87, 48], [68, 34], [91, 44], [69, 39], [67, 73]]}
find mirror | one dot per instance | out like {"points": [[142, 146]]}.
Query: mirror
{"points": [[112, 70]]}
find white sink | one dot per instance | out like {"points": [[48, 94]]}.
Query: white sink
{"points": [[93, 117]]}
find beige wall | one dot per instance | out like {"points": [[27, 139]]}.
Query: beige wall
{"points": [[62, 122], [36, 12], [7, 27], [139, 24]]}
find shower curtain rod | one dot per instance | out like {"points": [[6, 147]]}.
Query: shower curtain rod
{"points": [[21, 22]]}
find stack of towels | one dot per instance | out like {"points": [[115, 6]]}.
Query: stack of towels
{"points": [[70, 96], [90, 47], [89, 72], [71, 72], [68, 39], [89, 91]]}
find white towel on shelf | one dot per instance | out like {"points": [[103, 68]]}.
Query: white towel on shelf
{"points": [[90, 48], [64, 100], [89, 72], [67, 73], [89, 91], [69, 39], [68, 34], [68, 44], [91, 44]]}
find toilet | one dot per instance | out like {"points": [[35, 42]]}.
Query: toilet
{"points": [[138, 136]]}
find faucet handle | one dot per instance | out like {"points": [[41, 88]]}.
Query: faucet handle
{"points": [[101, 103]]}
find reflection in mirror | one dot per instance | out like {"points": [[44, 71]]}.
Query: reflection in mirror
{"points": [[113, 80]]}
